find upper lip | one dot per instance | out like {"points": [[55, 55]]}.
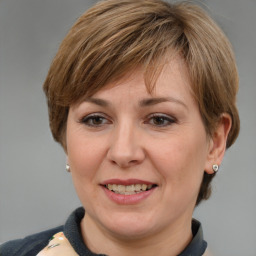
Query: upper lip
{"points": [[126, 182]]}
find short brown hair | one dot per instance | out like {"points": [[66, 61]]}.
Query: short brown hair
{"points": [[116, 36]]}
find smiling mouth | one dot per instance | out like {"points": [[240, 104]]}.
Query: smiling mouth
{"points": [[130, 189]]}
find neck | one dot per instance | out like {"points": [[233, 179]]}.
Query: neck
{"points": [[168, 242]]}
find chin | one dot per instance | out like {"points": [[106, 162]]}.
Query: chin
{"points": [[129, 226], [130, 233]]}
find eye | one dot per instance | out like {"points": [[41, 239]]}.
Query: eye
{"points": [[95, 120], [160, 120]]}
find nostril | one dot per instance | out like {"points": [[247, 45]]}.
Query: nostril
{"points": [[133, 161], [124, 163]]}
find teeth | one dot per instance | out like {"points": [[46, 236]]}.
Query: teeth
{"points": [[137, 187], [144, 187], [128, 190], [121, 189], [150, 186]]}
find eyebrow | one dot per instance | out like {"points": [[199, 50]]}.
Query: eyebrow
{"points": [[97, 101], [154, 101], [142, 103]]}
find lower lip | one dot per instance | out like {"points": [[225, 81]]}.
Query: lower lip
{"points": [[128, 199]]}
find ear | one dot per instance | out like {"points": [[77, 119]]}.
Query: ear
{"points": [[217, 144]]}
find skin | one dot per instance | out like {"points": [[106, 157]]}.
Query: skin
{"points": [[129, 137]]}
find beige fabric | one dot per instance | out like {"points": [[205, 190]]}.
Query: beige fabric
{"points": [[207, 253], [58, 245]]}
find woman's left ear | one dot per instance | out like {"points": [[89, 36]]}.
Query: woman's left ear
{"points": [[218, 141]]}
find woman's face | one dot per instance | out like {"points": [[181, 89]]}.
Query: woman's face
{"points": [[137, 159]]}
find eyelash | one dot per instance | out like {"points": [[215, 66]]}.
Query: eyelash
{"points": [[165, 119], [88, 120]]}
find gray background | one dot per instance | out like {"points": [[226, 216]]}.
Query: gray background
{"points": [[35, 191]]}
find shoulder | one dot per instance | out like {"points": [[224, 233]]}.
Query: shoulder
{"points": [[30, 245]]}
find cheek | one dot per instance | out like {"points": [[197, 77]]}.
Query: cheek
{"points": [[84, 154], [181, 161]]}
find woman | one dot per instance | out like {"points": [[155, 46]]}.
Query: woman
{"points": [[142, 98]]}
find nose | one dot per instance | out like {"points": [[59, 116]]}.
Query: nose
{"points": [[125, 147]]}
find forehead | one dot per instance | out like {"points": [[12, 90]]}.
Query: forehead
{"points": [[172, 85], [173, 76]]}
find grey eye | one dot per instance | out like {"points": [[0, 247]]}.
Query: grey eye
{"points": [[160, 120], [94, 120]]}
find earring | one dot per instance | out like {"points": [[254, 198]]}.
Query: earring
{"points": [[215, 168], [67, 168]]}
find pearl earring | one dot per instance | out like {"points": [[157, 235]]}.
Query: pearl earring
{"points": [[215, 168], [67, 168]]}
